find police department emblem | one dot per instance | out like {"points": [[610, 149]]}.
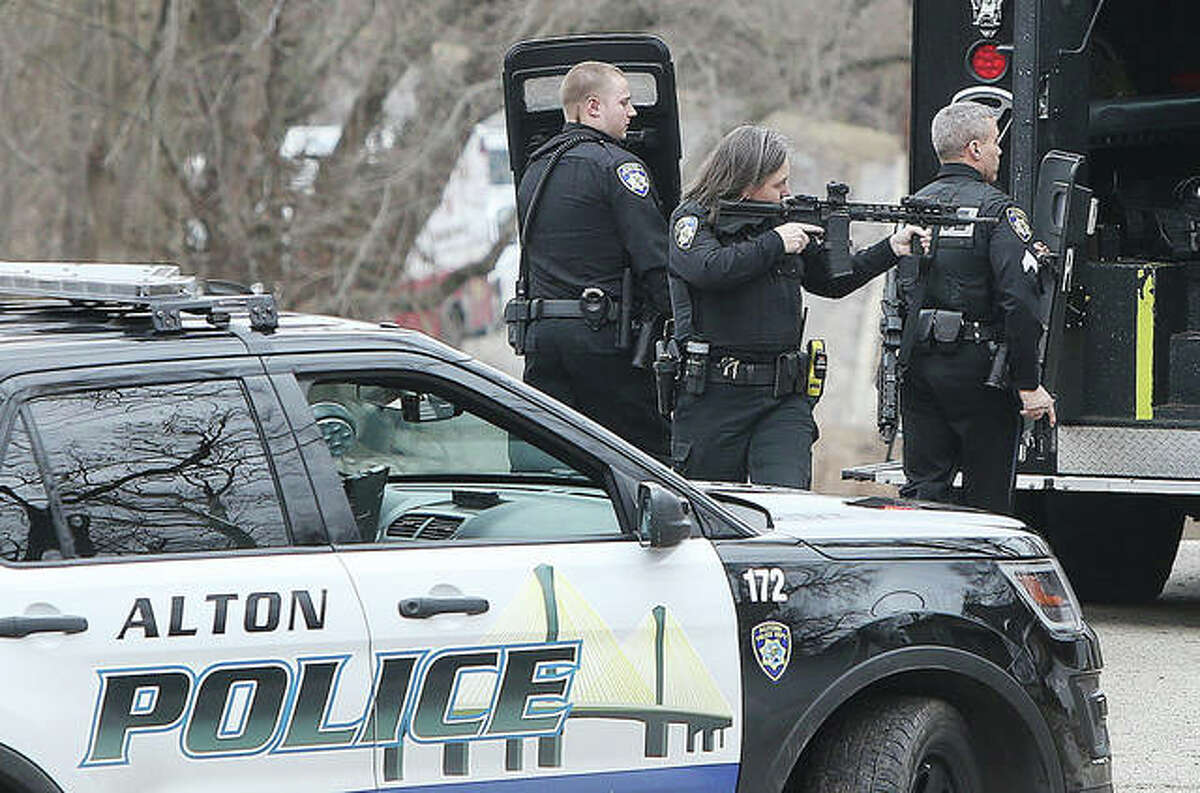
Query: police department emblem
{"points": [[633, 175], [685, 231], [1019, 223], [772, 643]]}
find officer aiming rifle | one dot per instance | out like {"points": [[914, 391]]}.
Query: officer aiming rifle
{"points": [[742, 252]]}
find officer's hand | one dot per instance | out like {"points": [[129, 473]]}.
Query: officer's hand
{"points": [[1038, 403], [796, 236], [901, 241]]}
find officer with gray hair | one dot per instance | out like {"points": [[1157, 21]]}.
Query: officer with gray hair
{"points": [[978, 298]]}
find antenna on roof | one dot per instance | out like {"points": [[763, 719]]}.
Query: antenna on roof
{"points": [[158, 288]]}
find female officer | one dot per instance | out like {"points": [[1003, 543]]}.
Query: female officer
{"points": [[735, 291]]}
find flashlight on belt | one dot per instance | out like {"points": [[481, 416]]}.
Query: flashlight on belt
{"points": [[818, 366]]}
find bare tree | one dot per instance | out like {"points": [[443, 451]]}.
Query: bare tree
{"points": [[152, 129]]}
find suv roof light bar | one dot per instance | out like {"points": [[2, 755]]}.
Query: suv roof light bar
{"points": [[117, 283], [160, 288]]}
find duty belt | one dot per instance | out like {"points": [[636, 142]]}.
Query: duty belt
{"points": [[544, 308], [787, 374], [738, 372], [942, 325]]}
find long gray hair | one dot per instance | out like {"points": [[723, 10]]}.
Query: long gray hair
{"points": [[742, 160]]}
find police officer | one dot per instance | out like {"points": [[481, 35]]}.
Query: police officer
{"points": [[979, 292], [597, 216], [741, 410]]}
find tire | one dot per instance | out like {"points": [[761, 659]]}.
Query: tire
{"points": [[894, 744], [19, 775], [1114, 548]]}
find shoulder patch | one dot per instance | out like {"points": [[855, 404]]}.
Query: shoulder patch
{"points": [[772, 645], [633, 175], [1020, 224], [685, 231]]}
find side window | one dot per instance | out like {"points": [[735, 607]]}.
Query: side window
{"points": [[419, 464], [26, 530], [160, 469]]}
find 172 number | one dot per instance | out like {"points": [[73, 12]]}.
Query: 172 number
{"points": [[765, 585]]}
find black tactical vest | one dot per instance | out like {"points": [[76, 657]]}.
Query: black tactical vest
{"points": [[960, 276]]}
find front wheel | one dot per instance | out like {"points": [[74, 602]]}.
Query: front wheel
{"points": [[897, 743]]}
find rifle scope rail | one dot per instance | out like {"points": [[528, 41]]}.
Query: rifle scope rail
{"points": [[811, 209]]}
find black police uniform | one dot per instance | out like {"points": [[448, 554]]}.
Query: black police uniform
{"points": [[978, 292], [741, 294], [598, 214]]}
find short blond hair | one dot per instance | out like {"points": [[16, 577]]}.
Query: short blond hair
{"points": [[585, 79]]}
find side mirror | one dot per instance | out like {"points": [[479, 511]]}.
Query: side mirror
{"points": [[664, 519]]}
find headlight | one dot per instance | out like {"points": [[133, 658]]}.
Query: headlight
{"points": [[1043, 585]]}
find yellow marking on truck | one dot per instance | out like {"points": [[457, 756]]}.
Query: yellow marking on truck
{"points": [[1143, 362]]}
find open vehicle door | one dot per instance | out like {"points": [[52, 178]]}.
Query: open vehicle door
{"points": [[1064, 215], [533, 72]]}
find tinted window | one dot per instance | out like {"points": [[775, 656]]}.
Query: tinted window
{"points": [[1144, 48], [26, 531], [422, 465], [160, 469], [541, 93]]}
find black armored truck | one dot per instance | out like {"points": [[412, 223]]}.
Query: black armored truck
{"points": [[1100, 104]]}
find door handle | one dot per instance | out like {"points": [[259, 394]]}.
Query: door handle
{"points": [[420, 608], [18, 627]]}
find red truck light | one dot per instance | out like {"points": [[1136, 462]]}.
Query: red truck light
{"points": [[986, 62]]}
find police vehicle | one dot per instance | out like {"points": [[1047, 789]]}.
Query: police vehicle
{"points": [[1101, 103], [252, 551]]}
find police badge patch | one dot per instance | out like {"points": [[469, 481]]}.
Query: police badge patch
{"points": [[772, 644], [634, 177], [1019, 223], [685, 231]]}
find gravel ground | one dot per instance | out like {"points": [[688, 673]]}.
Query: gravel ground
{"points": [[1152, 680]]}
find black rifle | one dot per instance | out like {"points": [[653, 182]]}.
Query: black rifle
{"points": [[835, 214], [891, 330]]}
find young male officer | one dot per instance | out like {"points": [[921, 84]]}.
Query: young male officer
{"points": [[596, 217]]}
